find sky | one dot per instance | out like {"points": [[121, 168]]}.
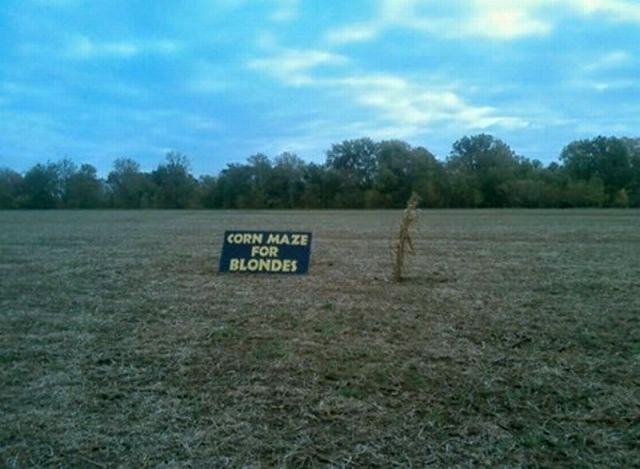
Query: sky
{"points": [[220, 80]]}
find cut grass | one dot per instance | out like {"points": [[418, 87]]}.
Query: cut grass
{"points": [[514, 341]]}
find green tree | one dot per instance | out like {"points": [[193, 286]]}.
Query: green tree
{"points": [[479, 166], [607, 158], [354, 162], [10, 184], [396, 170], [261, 173], [129, 187], [65, 170], [288, 181], [356, 159], [581, 193], [633, 189], [527, 193], [429, 180], [41, 187], [534, 185], [176, 187], [234, 186], [315, 185], [83, 188], [333, 193], [208, 193]]}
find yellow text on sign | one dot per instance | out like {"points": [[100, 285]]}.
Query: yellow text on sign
{"points": [[290, 239], [264, 251]]}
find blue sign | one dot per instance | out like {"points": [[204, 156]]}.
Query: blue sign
{"points": [[266, 252]]}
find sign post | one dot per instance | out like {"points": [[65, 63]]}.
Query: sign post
{"points": [[266, 252]]}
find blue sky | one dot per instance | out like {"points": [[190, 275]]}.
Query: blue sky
{"points": [[220, 80]]}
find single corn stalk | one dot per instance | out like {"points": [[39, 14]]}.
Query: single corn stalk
{"points": [[403, 246]]}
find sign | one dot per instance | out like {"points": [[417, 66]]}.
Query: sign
{"points": [[266, 252]]}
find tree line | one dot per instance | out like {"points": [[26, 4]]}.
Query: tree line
{"points": [[480, 171]]}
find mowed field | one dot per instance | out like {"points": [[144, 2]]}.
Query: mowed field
{"points": [[515, 340]]}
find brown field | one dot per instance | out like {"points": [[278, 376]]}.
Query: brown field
{"points": [[515, 341]]}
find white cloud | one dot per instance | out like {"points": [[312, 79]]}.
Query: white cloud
{"points": [[603, 85], [611, 60], [492, 19], [353, 33], [405, 106], [207, 77], [266, 40], [489, 19], [206, 85], [620, 10], [413, 106], [502, 20], [84, 48], [384, 107], [286, 10], [202, 123], [292, 66], [606, 72]]}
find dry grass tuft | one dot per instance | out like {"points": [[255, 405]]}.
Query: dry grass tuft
{"points": [[403, 245]]}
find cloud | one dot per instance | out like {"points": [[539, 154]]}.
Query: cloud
{"points": [[405, 106], [82, 48], [386, 107], [611, 60], [620, 10], [286, 10], [607, 72], [492, 19], [200, 123], [208, 77], [292, 66], [488, 19], [413, 106], [505, 20], [206, 85], [353, 33], [602, 85]]}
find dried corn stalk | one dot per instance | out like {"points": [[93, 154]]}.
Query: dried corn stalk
{"points": [[403, 245]]}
